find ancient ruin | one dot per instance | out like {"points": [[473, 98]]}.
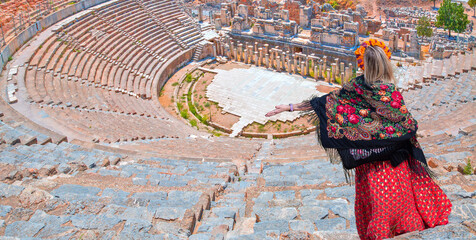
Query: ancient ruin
{"points": [[144, 119]]}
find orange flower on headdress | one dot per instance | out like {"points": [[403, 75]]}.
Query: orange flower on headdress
{"points": [[359, 53]]}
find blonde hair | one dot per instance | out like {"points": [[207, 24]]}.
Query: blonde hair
{"points": [[377, 66]]}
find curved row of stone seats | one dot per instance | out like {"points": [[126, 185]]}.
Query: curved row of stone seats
{"points": [[103, 126], [175, 19], [440, 97], [125, 58], [91, 203], [216, 149], [45, 87], [21, 135], [36, 161], [17, 129]]}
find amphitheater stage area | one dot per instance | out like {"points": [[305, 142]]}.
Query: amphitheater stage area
{"points": [[252, 92], [87, 151]]}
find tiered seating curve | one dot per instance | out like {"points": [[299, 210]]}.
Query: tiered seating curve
{"points": [[112, 61]]}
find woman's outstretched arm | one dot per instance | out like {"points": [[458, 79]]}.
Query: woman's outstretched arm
{"points": [[304, 106]]}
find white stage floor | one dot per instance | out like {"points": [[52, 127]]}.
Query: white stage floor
{"points": [[251, 93]]}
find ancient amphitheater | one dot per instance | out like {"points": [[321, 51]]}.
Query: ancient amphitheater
{"points": [[88, 152]]}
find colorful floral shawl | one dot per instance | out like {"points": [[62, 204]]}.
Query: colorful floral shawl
{"points": [[359, 124]]}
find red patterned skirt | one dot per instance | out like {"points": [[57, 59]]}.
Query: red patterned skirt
{"points": [[392, 201]]}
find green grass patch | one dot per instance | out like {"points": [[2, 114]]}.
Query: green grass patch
{"points": [[184, 114], [188, 77]]}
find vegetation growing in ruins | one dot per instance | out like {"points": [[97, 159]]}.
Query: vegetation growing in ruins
{"points": [[188, 77], [451, 17], [472, 4], [334, 4], [424, 28], [342, 4], [468, 169]]}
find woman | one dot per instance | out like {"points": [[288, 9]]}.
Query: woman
{"points": [[366, 126]]}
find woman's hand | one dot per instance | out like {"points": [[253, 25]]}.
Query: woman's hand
{"points": [[278, 109]]}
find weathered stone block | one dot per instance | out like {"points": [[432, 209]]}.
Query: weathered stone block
{"points": [[276, 225], [4, 210], [23, 229], [201, 236], [75, 192], [100, 222], [275, 213], [224, 212], [169, 213], [7, 190], [285, 195], [313, 212], [139, 181], [333, 224], [302, 225]]}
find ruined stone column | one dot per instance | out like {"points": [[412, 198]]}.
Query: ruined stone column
{"points": [[324, 59], [267, 60], [328, 76], [245, 59], [321, 69], [306, 66], [315, 70], [260, 58], [333, 71], [240, 52], [283, 60], [278, 63], [342, 66], [256, 59], [266, 50], [232, 48], [342, 77], [271, 60], [296, 64], [290, 64], [303, 68], [228, 52], [346, 75], [250, 54]]}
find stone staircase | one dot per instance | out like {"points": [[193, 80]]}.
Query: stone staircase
{"points": [[197, 53]]}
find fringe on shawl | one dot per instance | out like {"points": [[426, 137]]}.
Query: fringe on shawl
{"points": [[332, 153]]}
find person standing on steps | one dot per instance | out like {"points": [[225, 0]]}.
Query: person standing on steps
{"points": [[366, 126]]}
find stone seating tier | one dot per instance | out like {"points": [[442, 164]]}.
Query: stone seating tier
{"points": [[428, 101], [54, 90], [156, 198], [105, 126]]}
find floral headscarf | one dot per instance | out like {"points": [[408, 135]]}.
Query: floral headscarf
{"points": [[360, 52]]}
